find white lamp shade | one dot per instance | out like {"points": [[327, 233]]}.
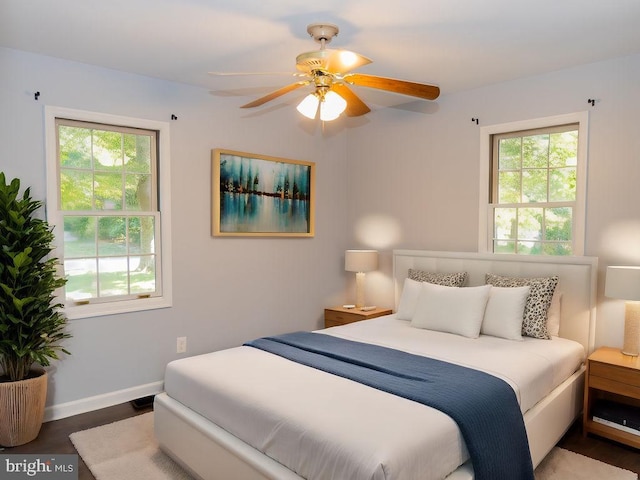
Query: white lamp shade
{"points": [[623, 283], [360, 260], [309, 106], [332, 106]]}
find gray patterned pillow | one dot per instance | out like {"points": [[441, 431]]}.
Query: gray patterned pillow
{"points": [[445, 279], [535, 310]]}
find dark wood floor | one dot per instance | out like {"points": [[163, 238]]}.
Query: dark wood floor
{"points": [[54, 438]]}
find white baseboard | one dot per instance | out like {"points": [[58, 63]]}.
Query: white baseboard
{"points": [[84, 405]]}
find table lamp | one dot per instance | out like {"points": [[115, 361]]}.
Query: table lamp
{"points": [[360, 261], [624, 283]]}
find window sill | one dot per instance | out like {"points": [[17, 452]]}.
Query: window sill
{"points": [[126, 306]]}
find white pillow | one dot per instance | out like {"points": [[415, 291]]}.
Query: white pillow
{"points": [[409, 299], [451, 309], [540, 296], [553, 314], [505, 312]]}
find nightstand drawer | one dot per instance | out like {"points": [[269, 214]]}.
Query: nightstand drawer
{"points": [[614, 373], [336, 316], [608, 385], [341, 317]]}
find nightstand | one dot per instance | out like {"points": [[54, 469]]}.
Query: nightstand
{"points": [[335, 316], [611, 377]]}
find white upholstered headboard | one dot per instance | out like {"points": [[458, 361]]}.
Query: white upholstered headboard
{"points": [[577, 280]]}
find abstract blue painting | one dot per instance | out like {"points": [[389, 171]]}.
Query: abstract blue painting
{"points": [[258, 195]]}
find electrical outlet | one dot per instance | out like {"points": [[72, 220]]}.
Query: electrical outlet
{"points": [[181, 345]]}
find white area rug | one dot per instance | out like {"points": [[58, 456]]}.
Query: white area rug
{"points": [[127, 450]]}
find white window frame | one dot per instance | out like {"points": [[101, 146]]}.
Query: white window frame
{"points": [[55, 218], [485, 220]]}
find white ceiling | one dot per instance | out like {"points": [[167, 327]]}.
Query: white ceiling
{"points": [[456, 44]]}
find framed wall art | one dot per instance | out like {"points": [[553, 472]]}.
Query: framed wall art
{"points": [[258, 195]]}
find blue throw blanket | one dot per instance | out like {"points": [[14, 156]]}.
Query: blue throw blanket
{"points": [[484, 407]]}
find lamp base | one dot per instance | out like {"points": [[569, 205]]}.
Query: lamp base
{"points": [[359, 289], [631, 346]]}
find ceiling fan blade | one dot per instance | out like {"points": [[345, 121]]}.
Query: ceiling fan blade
{"points": [[274, 94], [355, 106], [238, 74], [342, 61], [332, 61], [428, 92]]}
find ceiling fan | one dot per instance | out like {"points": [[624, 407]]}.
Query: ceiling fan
{"points": [[329, 72]]}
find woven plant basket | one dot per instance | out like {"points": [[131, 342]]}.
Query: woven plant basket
{"points": [[22, 409]]}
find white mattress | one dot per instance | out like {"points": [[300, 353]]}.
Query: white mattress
{"points": [[323, 426]]}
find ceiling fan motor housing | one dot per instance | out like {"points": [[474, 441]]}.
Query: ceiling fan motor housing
{"points": [[315, 60]]}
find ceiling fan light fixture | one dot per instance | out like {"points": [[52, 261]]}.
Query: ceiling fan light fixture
{"points": [[332, 106], [309, 106]]}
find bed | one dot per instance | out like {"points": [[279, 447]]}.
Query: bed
{"points": [[221, 419]]}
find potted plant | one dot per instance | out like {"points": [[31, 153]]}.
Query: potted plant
{"points": [[31, 323]]}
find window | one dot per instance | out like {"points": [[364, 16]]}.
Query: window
{"points": [[535, 183], [104, 171]]}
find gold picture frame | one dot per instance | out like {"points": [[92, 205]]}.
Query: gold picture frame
{"points": [[261, 196]]}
